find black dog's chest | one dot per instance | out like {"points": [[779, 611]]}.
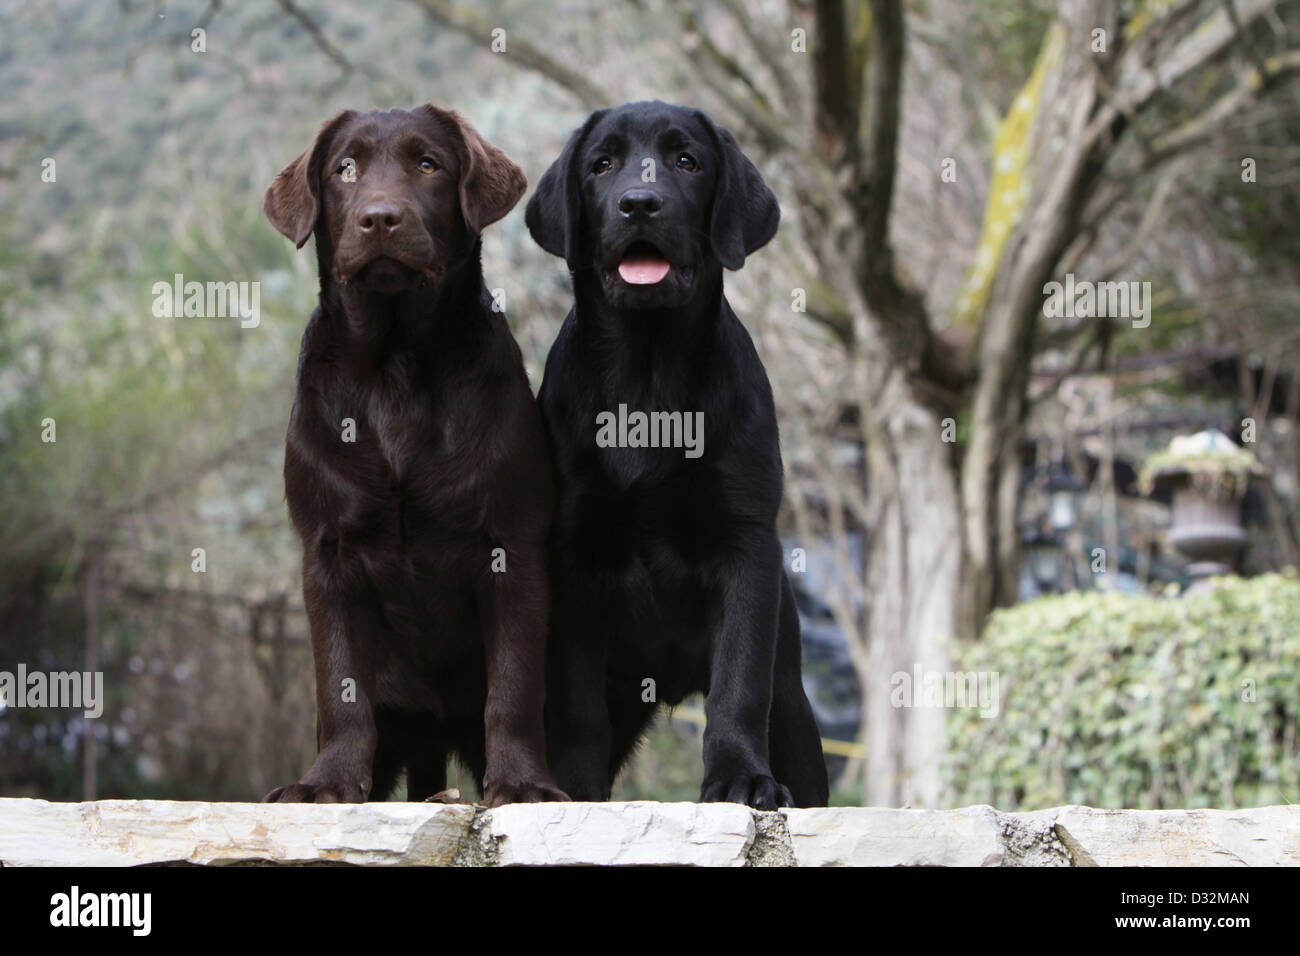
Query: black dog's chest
{"points": [[680, 517], [651, 550]]}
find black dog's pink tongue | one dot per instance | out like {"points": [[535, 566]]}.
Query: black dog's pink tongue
{"points": [[643, 270]]}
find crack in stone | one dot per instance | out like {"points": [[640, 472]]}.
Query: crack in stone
{"points": [[1034, 839], [478, 847], [771, 844], [1078, 855]]}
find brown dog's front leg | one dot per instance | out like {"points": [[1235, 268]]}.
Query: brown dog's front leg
{"points": [[513, 611], [346, 734]]}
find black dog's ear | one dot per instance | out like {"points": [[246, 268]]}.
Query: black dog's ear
{"points": [[745, 211], [490, 183], [292, 201], [554, 213]]}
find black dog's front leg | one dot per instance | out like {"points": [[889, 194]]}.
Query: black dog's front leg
{"points": [[577, 713], [737, 768]]}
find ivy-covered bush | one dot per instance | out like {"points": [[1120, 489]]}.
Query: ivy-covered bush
{"points": [[1113, 700]]}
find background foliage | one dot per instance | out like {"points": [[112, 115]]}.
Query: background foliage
{"points": [[1112, 700]]}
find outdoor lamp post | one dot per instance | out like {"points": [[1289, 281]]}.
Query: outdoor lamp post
{"points": [[1044, 554], [1204, 476], [1063, 490]]}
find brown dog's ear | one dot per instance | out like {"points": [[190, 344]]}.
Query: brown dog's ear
{"points": [[490, 184], [292, 201]]}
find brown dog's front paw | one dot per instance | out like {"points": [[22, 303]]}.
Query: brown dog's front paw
{"points": [[302, 792], [497, 795], [759, 791]]}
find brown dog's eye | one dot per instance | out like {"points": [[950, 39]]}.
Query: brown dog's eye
{"points": [[687, 162], [428, 166], [348, 170], [602, 165]]}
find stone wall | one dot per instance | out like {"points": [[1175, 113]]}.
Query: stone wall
{"points": [[128, 832]]}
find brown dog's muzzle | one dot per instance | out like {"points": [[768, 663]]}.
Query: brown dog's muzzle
{"points": [[383, 237], [380, 219]]}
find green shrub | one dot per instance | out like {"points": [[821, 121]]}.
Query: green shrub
{"points": [[1116, 701]]}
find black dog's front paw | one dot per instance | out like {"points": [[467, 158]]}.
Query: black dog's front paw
{"points": [[758, 790], [580, 781]]}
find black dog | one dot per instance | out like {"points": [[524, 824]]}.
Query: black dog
{"points": [[666, 568], [416, 467]]}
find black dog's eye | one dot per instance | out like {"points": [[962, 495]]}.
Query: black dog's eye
{"points": [[687, 162], [602, 165], [427, 165]]}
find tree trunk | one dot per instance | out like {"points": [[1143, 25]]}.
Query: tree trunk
{"points": [[90, 604], [914, 562]]}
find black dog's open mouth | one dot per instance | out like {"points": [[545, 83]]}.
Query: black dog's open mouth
{"points": [[643, 264]]}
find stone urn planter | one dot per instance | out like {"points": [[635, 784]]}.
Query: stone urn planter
{"points": [[1204, 476]]}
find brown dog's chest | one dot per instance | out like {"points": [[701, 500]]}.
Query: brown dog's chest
{"points": [[388, 468]]}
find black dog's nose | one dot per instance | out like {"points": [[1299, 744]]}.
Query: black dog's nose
{"points": [[380, 216], [640, 203]]}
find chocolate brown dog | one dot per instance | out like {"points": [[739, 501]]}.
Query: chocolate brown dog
{"points": [[416, 469]]}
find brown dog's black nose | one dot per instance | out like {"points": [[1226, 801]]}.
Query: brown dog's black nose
{"points": [[380, 217], [640, 204]]}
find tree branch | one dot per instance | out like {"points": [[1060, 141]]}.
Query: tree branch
{"points": [[317, 35], [472, 25], [884, 92], [346, 66], [701, 41], [861, 153], [835, 86], [1207, 124], [771, 54], [1150, 219], [1140, 82], [753, 109], [1210, 121], [1243, 41]]}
